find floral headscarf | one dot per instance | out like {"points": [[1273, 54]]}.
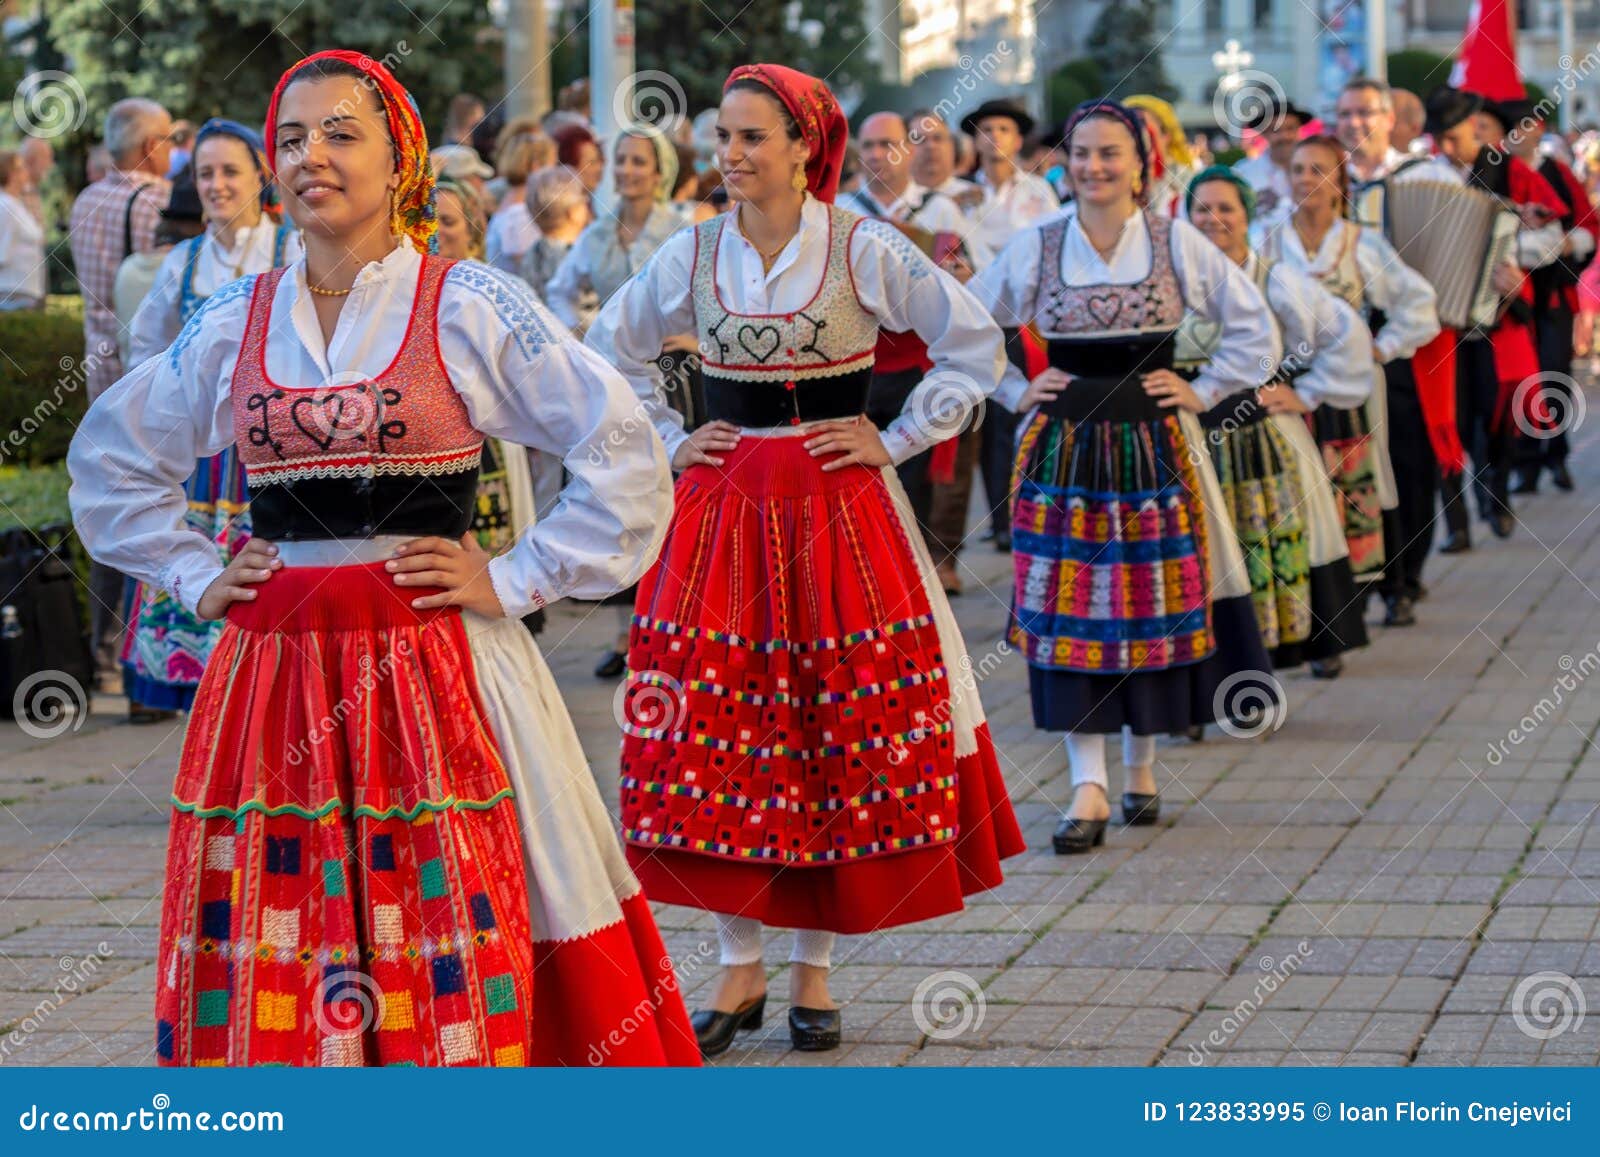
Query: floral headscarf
{"points": [[412, 212], [822, 122]]}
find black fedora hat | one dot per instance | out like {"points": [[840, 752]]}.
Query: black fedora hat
{"points": [[999, 107], [1447, 107]]}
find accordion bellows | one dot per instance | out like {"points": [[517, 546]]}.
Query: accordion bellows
{"points": [[1454, 236]]}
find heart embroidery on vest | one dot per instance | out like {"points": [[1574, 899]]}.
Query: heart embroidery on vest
{"points": [[1205, 335], [751, 338], [1104, 307], [328, 420]]}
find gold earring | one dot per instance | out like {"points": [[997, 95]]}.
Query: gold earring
{"points": [[798, 182], [1138, 186]]}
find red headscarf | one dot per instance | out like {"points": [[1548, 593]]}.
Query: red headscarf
{"points": [[413, 200], [821, 120]]}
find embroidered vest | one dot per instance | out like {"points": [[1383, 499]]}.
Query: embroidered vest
{"points": [[394, 454], [767, 369], [1065, 312]]}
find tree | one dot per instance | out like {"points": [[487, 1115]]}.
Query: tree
{"points": [[1073, 83], [1123, 43], [203, 58], [1418, 70], [697, 46]]}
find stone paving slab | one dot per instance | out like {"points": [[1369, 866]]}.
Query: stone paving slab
{"points": [[1385, 879]]}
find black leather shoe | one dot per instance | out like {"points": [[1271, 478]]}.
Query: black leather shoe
{"points": [[1561, 476], [1140, 810], [1400, 612], [1327, 668], [1456, 542], [714, 1030], [1525, 482], [611, 666], [815, 1030], [1502, 525], [1002, 541], [1073, 836]]}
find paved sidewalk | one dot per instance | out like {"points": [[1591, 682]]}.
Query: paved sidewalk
{"points": [[1386, 879]]}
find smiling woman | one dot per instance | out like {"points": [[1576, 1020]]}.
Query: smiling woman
{"points": [[383, 828], [825, 765], [166, 648]]}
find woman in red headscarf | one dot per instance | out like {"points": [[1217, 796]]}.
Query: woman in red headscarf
{"points": [[803, 742], [385, 846]]}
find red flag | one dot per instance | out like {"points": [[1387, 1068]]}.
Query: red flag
{"points": [[1487, 62]]}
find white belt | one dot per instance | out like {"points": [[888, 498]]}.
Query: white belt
{"points": [[340, 551]]}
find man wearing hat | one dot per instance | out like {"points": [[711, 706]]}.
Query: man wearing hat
{"points": [[1492, 362], [1281, 122], [1012, 197], [1555, 289], [1012, 200], [1420, 390], [934, 221]]}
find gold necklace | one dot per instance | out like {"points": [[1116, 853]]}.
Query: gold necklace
{"points": [[238, 268], [767, 259], [319, 291]]}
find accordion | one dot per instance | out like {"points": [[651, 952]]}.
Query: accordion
{"points": [[1454, 236]]}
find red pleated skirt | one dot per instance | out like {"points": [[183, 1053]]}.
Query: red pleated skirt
{"points": [[791, 747], [345, 881]]}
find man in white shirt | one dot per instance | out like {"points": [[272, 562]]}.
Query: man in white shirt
{"points": [[888, 193], [1012, 200], [934, 158], [1365, 113], [1281, 122]]}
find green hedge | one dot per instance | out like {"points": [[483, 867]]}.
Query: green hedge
{"points": [[42, 395], [33, 496]]}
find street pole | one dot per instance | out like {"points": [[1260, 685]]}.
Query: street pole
{"points": [[611, 68], [1377, 39], [527, 59], [1568, 36]]}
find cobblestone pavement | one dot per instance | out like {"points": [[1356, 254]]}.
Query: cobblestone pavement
{"points": [[1386, 879]]}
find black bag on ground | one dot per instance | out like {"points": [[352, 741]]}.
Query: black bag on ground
{"points": [[46, 665]]}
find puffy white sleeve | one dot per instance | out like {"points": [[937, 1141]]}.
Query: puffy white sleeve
{"points": [[898, 284], [1324, 338], [156, 322], [139, 443], [1537, 248], [1411, 316], [1008, 287], [1218, 290], [563, 293], [527, 380], [633, 326]]}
